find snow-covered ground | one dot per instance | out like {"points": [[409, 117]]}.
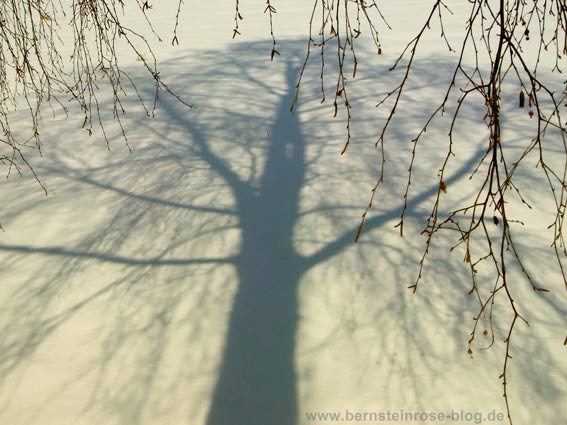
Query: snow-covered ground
{"points": [[210, 275]]}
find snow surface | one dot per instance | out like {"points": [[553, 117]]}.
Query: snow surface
{"points": [[210, 275]]}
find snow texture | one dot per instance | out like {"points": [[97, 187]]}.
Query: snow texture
{"points": [[210, 275]]}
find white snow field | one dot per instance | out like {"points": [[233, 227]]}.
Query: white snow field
{"points": [[210, 275]]}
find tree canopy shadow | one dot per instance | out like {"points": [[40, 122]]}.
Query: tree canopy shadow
{"points": [[200, 247]]}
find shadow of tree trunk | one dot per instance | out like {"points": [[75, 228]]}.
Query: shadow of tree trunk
{"points": [[256, 383]]}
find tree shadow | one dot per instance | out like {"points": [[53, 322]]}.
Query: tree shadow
{"points": [[198, 261], [256, 381]]}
